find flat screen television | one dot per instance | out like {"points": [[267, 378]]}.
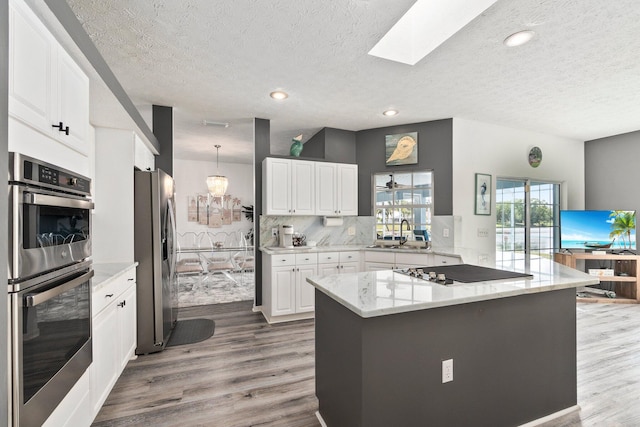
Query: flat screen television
{"points": [[598, 230]]}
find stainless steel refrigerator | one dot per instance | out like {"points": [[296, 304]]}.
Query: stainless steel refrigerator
{"points": [[155, 244]]}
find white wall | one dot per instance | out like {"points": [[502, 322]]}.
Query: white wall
{"points": [[503, 152], [190, 178]]}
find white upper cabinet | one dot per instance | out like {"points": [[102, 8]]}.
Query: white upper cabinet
{"points": [[46, 87], [72, 104], [30, 68], [288, 187], [276, 184], [347, 189], [302, 187], [337, 189], [326, 189]]}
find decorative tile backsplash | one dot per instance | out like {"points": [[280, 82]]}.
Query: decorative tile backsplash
{"points": [[362, 228]]}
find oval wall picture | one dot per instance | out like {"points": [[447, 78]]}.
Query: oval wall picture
{"points": [[535, 157]]}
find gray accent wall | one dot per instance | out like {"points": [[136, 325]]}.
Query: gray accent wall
{"points": [[612, 172], [163, 130], [262, 147], [4, 209], [435, 152], [332, 145]]}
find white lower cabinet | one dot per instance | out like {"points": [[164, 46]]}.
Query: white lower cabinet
{"points": [[381, 260], [113, 334], [338, 262], [286, 295]]}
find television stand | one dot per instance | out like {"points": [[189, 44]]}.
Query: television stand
{"points": [[626, 273]]}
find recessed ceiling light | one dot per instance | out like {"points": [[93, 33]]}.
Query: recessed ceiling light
{"points": [[519, 38], [390, 112], [279, 95]]}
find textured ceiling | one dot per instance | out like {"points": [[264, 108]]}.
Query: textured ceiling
{"points": [[578, 78]]}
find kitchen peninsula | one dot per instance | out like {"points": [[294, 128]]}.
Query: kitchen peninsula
{"points": [[382, 338]]}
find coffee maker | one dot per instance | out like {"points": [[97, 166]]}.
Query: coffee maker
{"points": [[285, 236]]}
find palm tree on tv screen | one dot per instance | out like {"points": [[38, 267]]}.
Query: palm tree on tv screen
{"points": [[623, 223]]}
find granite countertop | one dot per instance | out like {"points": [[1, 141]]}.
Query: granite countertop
{"points": [[105, 272], [380, 293]]}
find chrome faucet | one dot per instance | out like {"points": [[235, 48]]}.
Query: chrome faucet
{"points": [[408, 229]]}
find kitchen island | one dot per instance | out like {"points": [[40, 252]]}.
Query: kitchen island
{"points": [[382, 338]]}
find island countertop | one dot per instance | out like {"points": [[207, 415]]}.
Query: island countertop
{"points": [[379, 293]]}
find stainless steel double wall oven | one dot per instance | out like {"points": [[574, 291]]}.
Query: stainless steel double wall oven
{"points": [[49, 285]]}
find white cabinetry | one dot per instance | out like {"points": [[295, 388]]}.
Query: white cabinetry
{"points": [[301, 187], [113, 333], [288, 186], [144, 159], [113, 196], [338, 262], [286, 295], [48, 91], [387, 260], [336, 189]]}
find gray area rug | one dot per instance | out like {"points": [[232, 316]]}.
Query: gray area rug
{"points": [[215, 289], [191, 331]]}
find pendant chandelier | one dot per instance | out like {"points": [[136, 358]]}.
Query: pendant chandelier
{"points": [[217, 184]]}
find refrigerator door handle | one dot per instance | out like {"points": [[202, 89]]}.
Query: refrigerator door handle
{"points": [[172, 229]]}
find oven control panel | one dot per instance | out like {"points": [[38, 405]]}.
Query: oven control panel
{"points": [[28, 170], [61, 179]]}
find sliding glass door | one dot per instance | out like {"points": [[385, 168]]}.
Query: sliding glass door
{"points": [[527, 218]]}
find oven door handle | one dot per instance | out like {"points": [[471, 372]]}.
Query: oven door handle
{"points": [[64, 202], [31, 300]]}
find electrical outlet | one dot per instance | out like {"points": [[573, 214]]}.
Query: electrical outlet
{"points": [[274, 231], [445, 232], [351, 231], [447, 371], [483, 232]]}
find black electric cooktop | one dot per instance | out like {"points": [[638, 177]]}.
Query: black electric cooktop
{"points": [[465, 273]]}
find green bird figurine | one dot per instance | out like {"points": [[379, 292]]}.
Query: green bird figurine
{"points": [[297, 146]]}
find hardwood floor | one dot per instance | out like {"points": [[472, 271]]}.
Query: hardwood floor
{"points": [[254, 374], [248, 374]]}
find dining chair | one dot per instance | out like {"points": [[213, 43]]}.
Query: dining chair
{"points": [[220, 259], [189, 263], [245, 258]]}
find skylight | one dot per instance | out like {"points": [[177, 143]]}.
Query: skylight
{"points": [[425, 26]]}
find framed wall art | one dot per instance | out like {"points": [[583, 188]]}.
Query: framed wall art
{"points": [[401, 149], [483, 194]]}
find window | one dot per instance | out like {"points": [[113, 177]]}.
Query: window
{"points": [[402, 195]]}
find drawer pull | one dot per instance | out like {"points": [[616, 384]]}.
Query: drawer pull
{"points": [[130, 279], [109, 296], [122, 304]]}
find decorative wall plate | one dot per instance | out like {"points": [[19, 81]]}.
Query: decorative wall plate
{"points": [[535, 157]]}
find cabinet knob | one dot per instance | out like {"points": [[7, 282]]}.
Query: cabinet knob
{"points": [[122, 304]]}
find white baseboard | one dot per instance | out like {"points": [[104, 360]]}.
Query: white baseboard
{"points": [[550, 417], [533, 423], [319, 417]]}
